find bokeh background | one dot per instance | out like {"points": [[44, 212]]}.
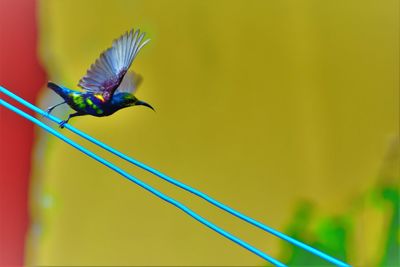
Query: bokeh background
{"points": [[285, 110]]}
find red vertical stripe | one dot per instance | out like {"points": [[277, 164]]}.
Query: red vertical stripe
{"points": [[21, 73]]}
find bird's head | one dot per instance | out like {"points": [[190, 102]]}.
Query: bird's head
{"points": [[129, 100]]}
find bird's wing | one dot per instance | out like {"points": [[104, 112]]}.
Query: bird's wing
{"points": [[106, 74], [130, 83]]}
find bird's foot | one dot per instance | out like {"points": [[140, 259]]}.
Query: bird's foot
{"points": [[61, 124], [47, 112]]}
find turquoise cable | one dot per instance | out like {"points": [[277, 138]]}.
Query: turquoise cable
{"points": [[180, 184]]}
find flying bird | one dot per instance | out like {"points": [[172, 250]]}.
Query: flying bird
{"points": [[108, 86]]}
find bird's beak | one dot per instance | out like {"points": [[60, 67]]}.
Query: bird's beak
{"points": [[142, 103]]}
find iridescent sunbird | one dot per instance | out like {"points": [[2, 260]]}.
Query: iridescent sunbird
{"points": [[107, 85]]}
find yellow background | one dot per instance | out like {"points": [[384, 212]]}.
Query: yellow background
{"points": [[260, 104]]}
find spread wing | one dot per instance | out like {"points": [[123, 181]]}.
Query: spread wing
{"points": [[130, 83], [106, 74]]}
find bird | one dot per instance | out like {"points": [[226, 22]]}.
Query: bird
{"points": [[108, 86]]}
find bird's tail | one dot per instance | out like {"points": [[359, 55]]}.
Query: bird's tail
{"points": [[60, 90]]}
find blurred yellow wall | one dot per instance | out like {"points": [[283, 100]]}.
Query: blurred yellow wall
{"points": [[260, 104]]}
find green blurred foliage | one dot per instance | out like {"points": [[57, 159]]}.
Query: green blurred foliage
{"points": [[336, 235]]}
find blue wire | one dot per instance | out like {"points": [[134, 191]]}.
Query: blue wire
{"points": [[180, 184], [144, 185]]}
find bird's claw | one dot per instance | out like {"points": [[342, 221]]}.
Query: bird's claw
{"points": [[47, 112], [61, 124]]}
